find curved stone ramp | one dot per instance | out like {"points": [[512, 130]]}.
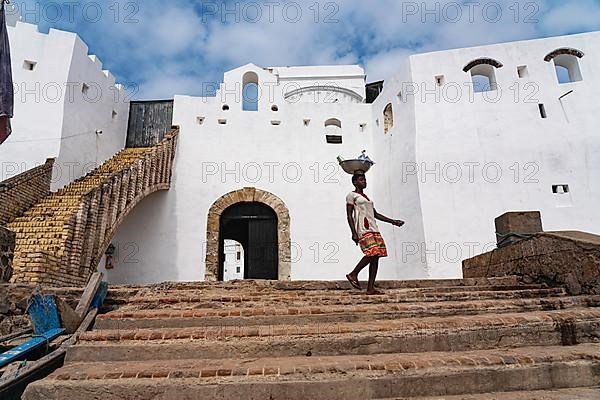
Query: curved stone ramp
{"points": [[326, 341], [61, 239]]}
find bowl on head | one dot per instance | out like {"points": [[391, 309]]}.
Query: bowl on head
{"points": [[353, 166]]}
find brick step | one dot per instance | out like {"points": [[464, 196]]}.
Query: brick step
{"points": [[508, 281], [393, 336], [246, 316], [343, 290], [124, 293], [206, 300], [591, 393], [328, 378]]}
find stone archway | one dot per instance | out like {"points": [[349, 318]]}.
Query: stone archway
{"points": [[242, 196]]}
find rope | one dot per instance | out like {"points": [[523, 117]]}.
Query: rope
{"points": [[505, 236]]}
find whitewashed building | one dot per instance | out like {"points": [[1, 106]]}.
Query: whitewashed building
{"points": [[459, 137], [233, 267], [66, 106]]}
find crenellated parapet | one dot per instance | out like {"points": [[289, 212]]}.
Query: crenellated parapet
{"points": [[60, 240]]}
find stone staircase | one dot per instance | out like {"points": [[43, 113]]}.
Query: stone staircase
{"points": [[478, 338], [60, 240]]}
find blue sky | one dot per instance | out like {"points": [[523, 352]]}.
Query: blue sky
{"points": [[172, 47]]}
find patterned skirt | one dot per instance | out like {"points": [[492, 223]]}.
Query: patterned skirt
{"points": [[372, 245]]}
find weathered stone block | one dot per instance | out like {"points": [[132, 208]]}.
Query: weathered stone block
{"points": [[519, 223]]}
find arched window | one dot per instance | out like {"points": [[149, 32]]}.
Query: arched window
{"points": [[483, 74], [484, 78], [333, 131], [250, 92], [566, 64], [567, 69], [388, 118]]}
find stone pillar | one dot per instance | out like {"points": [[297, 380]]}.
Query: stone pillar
{"points": [[160, 153], [147, 160], [124, 190], [90, 232], [153, 167], [103, 215], [140, 178], [514, 226], [133, 181], [79, 238], [115, 201]]}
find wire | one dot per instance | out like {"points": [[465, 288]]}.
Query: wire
{"points": [[61, 138]]}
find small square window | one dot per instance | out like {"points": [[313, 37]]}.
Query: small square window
{"points": [[560, 189], [440, 80], [238, 270], [29, 65], [222, 122], [522, 71]]}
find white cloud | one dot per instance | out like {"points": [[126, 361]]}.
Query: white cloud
{"points": [[174, 46]]}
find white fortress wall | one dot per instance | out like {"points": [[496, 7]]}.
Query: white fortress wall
{"points": [[53, 117], [396, 189], [508, 156], [40, 64], [103, 108], [291, 160]]}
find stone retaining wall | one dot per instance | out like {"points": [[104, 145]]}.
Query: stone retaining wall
{"points": [[20, 192], [570, 259]]}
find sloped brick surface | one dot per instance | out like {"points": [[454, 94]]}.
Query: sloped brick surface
{"points": [[60, 240]]}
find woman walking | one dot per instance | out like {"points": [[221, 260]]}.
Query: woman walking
{"points": [[362, 218]]}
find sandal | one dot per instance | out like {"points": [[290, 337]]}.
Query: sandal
{"points": [[355, 284]]}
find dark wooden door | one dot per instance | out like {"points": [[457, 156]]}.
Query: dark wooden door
{"points": [[254, 225], [262, 249]]}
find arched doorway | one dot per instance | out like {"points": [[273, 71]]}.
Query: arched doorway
{"points": [[254, 226], [214, 238]]}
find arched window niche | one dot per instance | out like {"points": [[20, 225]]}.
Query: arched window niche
{"points": [[250, 92], [388, 118], [566, 64], [333, 131], [483, 74]]}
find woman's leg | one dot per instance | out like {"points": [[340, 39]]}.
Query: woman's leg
{"points": [[373, 275], [359, 267]]}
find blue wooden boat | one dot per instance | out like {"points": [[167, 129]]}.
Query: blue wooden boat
{"points": [[46, 329]]}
